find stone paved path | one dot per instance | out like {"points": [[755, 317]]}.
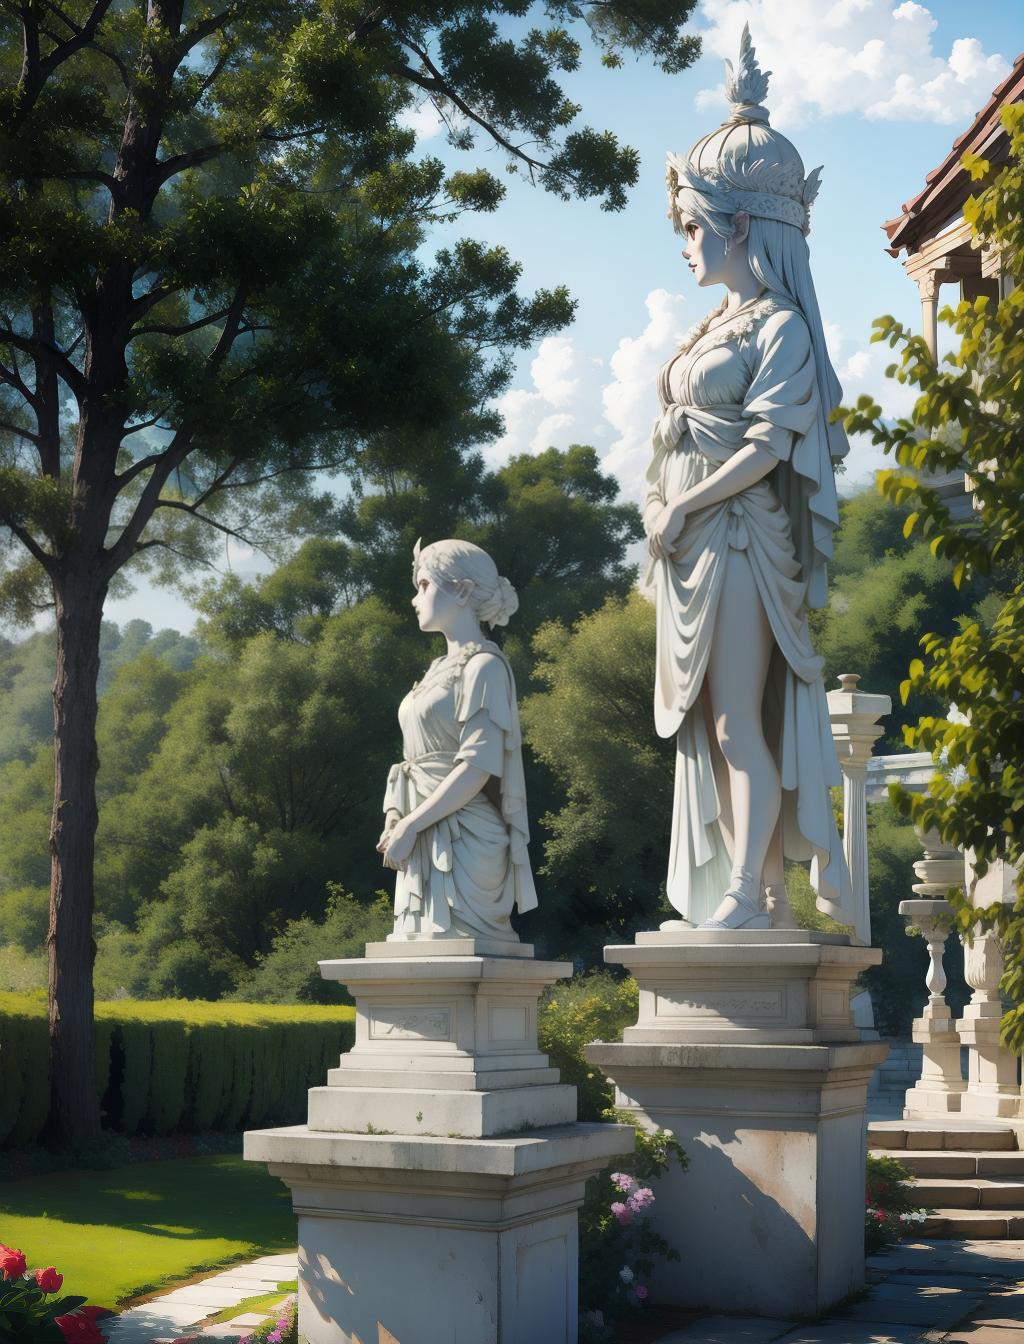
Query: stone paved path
{"points": [[927, 1292], [181, 1311]]}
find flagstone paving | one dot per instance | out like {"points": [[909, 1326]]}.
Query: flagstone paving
{"points": [[934, 1292], [927, 1292], [184, 1310]]}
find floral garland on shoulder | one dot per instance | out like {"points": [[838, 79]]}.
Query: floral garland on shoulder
{"points": [[747, 318], [445, 672]]}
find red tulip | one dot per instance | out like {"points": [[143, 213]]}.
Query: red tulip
{"points": [[12, 1262], [48, 1279], [79, 1327]]}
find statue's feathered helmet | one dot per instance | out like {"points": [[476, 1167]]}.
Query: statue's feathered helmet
{"points": [[745, 164]]}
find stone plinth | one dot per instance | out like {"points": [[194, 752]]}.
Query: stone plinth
{"points": [[438, 1180], [746, 1050], [434, 1240], [444, 1044], [766, 987]]}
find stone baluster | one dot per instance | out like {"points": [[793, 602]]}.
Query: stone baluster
{"points": [[939, 1089], [992, 1086], [855, 716]]}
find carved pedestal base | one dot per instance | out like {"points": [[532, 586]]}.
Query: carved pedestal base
{"points": [[438, 1179], [745, 1049], [435, 1240], [445, 1045]]}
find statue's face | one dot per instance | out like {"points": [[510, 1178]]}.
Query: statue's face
{"points": [[705, 253], [436, 607]]}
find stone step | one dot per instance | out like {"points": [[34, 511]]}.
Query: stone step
{"points": [[950, 1165], [936, 1193], [917, 1134], [973, 1223]]}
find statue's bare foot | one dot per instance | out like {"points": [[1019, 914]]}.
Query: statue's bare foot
{"points": [[739, 907]]}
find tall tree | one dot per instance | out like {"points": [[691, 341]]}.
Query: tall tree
{"points": [[209, 290], [970, 416]]}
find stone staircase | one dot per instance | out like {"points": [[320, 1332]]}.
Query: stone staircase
{"points": [[971, 1174]]}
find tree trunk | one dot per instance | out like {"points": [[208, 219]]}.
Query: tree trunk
{"points": [[75, 1112]]}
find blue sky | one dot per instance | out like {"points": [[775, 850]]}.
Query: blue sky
{"points": [[874, 90]]}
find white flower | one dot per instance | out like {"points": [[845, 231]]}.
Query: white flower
{"points": [[626, 1274]]}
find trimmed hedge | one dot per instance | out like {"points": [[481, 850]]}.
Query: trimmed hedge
{"points": [[174, 1066]]}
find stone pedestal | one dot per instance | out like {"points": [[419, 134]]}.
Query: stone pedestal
{"points": [[939, 1089], [438, 1179], [746, 1050], [426, 1241]]}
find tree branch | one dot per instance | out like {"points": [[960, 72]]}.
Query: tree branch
{"points": [[192, 509], [36, 347], [37, 69], [180, 163], [183, 330], [29, 542], [22, 433], [163, 464], [437, 84]]}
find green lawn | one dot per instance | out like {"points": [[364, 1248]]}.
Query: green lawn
{"points": [[117, 1234]]}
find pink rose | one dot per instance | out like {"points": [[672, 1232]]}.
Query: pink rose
{"points": [[640, 1199], [641, 1292], [12, 1262], [622, 1181], [624, 1215], [48, 1279]]}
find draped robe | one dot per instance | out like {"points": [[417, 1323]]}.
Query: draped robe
{"points": [[751, 380], [467, 871]]}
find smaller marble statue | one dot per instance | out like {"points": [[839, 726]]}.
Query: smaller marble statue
{"points": [[455, 808]]}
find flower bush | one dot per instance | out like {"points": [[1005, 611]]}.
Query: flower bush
{"points": [[30, 1311], [889, 1210], [617, 1244]]}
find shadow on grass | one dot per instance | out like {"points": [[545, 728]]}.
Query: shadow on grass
{"points": [[212, 1197]]}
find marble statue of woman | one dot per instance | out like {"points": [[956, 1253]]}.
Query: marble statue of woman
{"points": [[455, 807], [739, 518]]}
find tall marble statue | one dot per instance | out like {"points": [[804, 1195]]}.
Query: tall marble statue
{"points": [[739, 518], [455, 807]]}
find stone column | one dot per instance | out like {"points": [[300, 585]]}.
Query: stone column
{"points": [[854, 716], [745, 1049], [939, 1089], [928, 288], [438, 1180], [993, 1090]]}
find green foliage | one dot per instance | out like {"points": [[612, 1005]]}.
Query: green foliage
{"points": [[592, 1007], [26, 677], [288, 973], [883, 592], [607, 1244], [174, 1066], [890, 1212], [591, 726], [970, 416]]}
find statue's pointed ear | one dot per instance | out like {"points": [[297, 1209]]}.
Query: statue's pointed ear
{"points": [[740, 226]]}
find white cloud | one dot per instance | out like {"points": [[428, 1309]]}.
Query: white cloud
{"points": [[555, 410], [630, 400], [423, 118], [609, 403], [872, 58]]}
